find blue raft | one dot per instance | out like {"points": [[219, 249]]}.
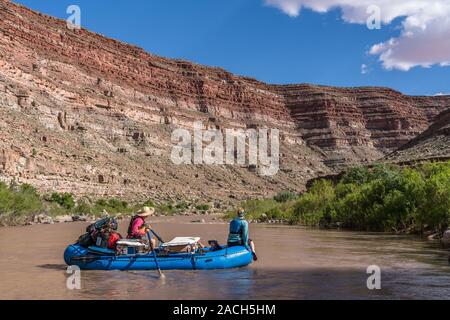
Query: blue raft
{"points": [[94, 258]]}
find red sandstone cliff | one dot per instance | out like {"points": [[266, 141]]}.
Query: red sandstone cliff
{"points": [[91, 115], [358, 123], [432, 144]]}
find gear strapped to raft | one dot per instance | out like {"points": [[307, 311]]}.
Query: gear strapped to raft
{"points": [[98, 233]]}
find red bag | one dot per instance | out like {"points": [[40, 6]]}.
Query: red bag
{"points": [[113, 238]]}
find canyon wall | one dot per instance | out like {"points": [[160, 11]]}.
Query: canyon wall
{"points": [[432, 144], [90, 115], [358, 124]]}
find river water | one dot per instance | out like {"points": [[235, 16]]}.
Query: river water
{"points": [[294, 263]]}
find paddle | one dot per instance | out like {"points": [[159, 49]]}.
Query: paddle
{"points": [[161, 275], [156, 235]]}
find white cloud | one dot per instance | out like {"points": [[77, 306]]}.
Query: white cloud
{"points": [[425, 35]]}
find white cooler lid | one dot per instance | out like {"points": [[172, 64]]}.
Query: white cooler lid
{"points": [[181, 241]]}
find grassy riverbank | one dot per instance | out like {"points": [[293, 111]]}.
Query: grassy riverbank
{"points": [[382, 198], [20, 203]]}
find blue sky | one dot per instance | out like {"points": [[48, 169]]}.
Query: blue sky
{"points": [[251, 38]]}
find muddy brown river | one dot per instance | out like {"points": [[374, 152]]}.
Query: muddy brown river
{"points": [[294, 263]]}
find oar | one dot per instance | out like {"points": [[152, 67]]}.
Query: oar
{"points": [[156, 235], [161, 275]]}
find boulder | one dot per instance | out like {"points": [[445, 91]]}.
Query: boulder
{"points": [[82, 218], [43, 219], [263, 217], [446, 237], [63, 219]]}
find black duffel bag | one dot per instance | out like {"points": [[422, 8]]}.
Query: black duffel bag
{"points": [[86, 240]]}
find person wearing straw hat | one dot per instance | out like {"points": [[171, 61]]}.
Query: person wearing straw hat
{"points": [[238, 235], [138, 229]]}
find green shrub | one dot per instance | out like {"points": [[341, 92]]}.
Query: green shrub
{"points": [[112, 206], [382, 198], [166, 209], [83, 208], [310, 208], [19, 200], [148, 203], [202, 207], [274, 214], [285, 196], [182, 206], [65, 200]]}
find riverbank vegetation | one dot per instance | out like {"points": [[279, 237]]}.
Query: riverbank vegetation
{"points": [[20, 203], [381, 198]]}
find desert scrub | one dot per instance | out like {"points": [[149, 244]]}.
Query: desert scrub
{"points": [[202, 207], [170, 208], [182, 206], [113, 206], [285, 196]]}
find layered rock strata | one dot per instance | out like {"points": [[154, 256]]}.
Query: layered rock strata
{"points": [[94, 116]]}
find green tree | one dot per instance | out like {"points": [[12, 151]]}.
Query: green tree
{"points": [[65, 200]]}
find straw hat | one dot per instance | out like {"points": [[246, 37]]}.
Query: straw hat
{"points": [[146, 211]]}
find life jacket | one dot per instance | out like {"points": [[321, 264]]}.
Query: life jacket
{"points": [[130, 227], [235, 234], [112, 241], [236, 226]]}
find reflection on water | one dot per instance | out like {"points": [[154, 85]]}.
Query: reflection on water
{"points": [[263, 284], [294, 263]]}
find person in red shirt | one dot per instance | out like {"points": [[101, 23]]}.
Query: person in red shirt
{"points": [[138, 229]]}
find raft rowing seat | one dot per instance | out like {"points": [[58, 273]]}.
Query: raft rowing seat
{"points": [[181, 244]]}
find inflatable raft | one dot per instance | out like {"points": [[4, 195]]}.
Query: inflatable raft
{"points": [[95, 258]]}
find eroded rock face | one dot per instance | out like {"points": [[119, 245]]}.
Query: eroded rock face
{"points": [[432, 144], [85, 114], [358, 124]]}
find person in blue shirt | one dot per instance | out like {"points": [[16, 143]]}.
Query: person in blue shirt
{"points": [[238, 235]]}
